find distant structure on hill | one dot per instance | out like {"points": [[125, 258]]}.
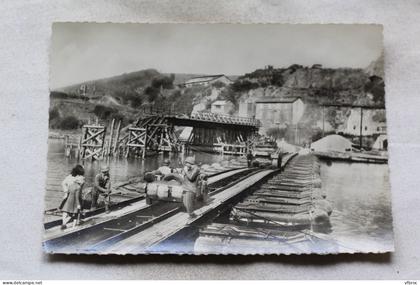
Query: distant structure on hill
{"points": [[278, 112], [86, 90], [207, 80], [83, 90], [222, 107], [367, 125]]}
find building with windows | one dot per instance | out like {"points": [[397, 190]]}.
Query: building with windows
{"points": [[372, 122], [222, 107], [278, 112], [247, 108], [207, 80]]}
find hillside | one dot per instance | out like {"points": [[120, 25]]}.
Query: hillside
{"points": [[314, 85], [125, 96]]}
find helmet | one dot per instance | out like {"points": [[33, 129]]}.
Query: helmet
{"points": [[166, 162], [190, 160]]}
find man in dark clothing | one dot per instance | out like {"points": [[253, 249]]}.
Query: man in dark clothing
{"points": [[249, 158], [101, 186], [279, 161], [191, 172]]}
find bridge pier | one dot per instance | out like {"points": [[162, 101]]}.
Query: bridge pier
{"points": [[208, 130], [92, 141]]}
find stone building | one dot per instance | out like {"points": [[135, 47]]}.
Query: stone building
{"points": [[247, 108], [278, 112], [372, 122]]}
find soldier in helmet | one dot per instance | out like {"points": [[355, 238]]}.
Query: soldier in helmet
{"points": [[165, 169], [191, 173], [101, 186]]}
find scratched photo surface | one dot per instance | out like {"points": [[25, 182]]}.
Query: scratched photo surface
{"points": [[217, 139]]}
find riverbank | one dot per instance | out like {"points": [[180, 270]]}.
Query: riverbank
{"points": [[61, 134]]}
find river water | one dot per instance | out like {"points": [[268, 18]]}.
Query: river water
{"points": [[361, 199], [359, 193], [121, 169]]}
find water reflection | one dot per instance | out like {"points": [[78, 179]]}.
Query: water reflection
{"points": [[360, 193], [361, 198], [121, 169]]}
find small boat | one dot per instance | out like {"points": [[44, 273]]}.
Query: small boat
{"points": [[352, 156]]}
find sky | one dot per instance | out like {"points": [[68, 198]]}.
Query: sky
{"points": [[86, 51]]}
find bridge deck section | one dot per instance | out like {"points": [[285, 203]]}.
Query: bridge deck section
{"points": [[143, 241]]}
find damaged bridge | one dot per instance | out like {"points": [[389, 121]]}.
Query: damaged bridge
{"points": [[157, 132]]}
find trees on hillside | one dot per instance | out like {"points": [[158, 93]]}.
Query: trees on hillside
{"points": [[162, 81]]}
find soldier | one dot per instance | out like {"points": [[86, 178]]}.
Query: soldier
{"points": [[165, 169], [101, 186], [279, 161], [191, 173], [249, 157]]}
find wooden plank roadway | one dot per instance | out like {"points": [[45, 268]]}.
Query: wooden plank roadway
{"points": [[136, 206], [95, 220], [224, 175], [143, 241]]}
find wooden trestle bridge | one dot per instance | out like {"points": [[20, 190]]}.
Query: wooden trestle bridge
{"points": [[157, 132]]}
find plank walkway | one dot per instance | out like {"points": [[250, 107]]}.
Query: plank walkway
{"points": [[56, 232], [142, 242]]}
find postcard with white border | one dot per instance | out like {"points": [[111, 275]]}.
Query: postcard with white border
{"points": [[217, 139]]}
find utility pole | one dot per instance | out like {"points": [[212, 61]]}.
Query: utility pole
{"points": [[361, 127], [323, 121]]}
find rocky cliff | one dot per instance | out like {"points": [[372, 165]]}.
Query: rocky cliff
{"points": [[314, 85]]}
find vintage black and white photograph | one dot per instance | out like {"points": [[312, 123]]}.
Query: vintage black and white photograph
{"points": [[217, 139]]}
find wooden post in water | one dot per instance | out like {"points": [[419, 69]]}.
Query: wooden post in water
{"points": [[110, 138], [67, 147], [145, 143], [79, 147], [117, 137], [104, 152]]}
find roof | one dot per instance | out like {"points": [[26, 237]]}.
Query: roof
{"points": [[221, 102], [204, 78], [277, 100]]}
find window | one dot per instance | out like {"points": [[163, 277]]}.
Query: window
{"points": [[365, 128], [378, 129], [354, 127]]}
